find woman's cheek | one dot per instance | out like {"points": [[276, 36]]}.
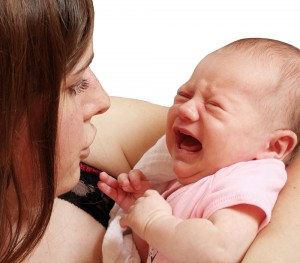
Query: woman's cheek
{"points": [[69, 143]]}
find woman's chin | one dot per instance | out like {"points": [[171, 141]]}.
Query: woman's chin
{"points": [[68, 181]]}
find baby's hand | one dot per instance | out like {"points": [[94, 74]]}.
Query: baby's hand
{"points": [[126, 189], [134, 182], [146, 210]]}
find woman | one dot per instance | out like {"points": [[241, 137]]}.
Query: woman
{"points": [[48, 97]]}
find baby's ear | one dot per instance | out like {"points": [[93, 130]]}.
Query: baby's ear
{"points": [[281, 144]]}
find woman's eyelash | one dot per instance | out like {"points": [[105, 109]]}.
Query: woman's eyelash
{"points": [[81, 87]]}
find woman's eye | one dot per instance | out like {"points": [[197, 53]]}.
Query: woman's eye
{"points": [[80, 87]]}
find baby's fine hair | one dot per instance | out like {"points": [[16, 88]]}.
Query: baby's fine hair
{"points": [[282, 102]]}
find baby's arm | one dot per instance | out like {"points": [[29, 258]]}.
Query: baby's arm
{"points": [[126, 188], [225, 237], [124, 191]]}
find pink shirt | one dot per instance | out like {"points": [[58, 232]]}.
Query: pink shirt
{"points": [[255, 183]]}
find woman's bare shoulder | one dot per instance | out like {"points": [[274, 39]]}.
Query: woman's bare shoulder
{"points": [[125, 132], [72, 236]]}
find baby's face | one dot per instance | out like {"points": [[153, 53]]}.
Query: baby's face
{"points": [[214, 121]]}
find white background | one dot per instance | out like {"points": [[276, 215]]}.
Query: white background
{"points": [[146, 49]]}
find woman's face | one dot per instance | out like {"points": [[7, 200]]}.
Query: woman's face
{"points": [[82, 97]]}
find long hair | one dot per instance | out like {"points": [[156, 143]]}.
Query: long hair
{"points": [[40, 42]]}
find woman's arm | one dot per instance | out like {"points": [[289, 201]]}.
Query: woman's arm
{"points": [[125, 132], [279, 241]]}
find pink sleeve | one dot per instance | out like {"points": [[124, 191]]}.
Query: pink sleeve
{"points": [[255, 183]]}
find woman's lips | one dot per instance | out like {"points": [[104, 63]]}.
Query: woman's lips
{"points": [[187, 142], [85, 153]]}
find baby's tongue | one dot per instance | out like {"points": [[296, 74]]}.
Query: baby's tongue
{"points": [[190, 144]]}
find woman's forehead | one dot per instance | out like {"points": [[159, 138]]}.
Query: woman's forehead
{"points": [[84, 61]]}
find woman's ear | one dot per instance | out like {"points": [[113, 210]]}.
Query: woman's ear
{"points": [[281, 144]]}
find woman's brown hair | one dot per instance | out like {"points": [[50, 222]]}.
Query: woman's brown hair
{"points": [[40, 42]]}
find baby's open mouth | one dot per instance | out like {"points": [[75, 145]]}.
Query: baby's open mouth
{"points": [[188, 143]]}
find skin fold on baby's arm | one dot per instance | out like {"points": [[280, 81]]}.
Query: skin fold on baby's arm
{"points": [[224, 237]]}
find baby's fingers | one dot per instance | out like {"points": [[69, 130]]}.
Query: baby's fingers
{"points": [[139, 181], [124, 221], [108, 185], [124, 183], [109, 180]]}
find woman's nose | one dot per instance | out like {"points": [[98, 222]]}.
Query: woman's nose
{"points": [[96, 100], [102, 101], [188, 111]]}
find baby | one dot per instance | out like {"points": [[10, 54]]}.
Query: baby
{"points": [[230, 132]]}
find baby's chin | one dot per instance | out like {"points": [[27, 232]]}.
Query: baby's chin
{"points": [[187, 180], [185, 177]]}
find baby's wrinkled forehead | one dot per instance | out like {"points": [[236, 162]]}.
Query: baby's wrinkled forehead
{"points": [[226, 67]]}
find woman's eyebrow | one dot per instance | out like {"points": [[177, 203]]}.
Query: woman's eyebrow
{"points": [[87, 64]]}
